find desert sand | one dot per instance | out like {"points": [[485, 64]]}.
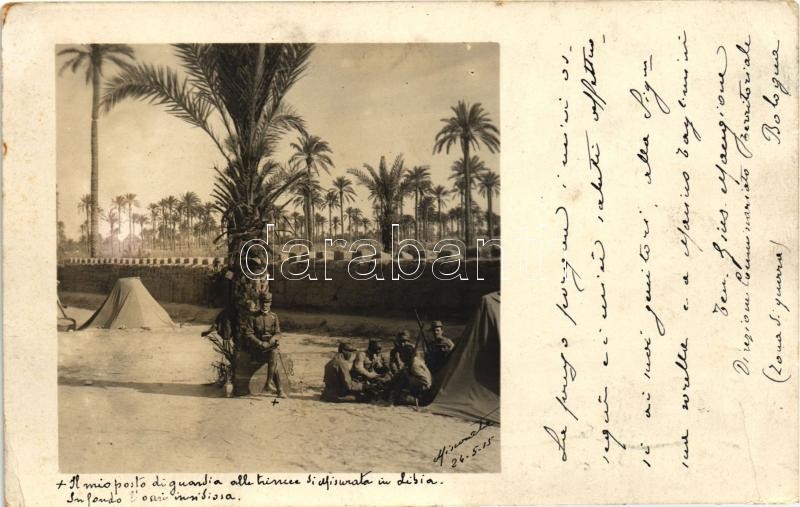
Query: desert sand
{"points": [[144, 401]]}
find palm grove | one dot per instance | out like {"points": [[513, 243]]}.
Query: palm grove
{"points": [[235, 94]]}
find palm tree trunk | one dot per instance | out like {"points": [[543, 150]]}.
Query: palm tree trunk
{"points": [[439, 203], [467, 195], [386, 228], [341, 210], [308, 211], [94, 173], [416, 214], [489, 216], [88, 229], [402, 225], [130, 226]]}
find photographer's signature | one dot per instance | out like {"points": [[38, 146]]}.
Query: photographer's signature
{"points": [[466, 448]]}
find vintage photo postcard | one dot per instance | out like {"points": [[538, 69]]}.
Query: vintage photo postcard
{"points": [[280, 251]]}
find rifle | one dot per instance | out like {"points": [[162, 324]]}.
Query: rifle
{"points": [[421, 334], [288, 380]]}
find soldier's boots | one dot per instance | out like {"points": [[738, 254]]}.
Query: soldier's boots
{"points": [[272, 373]]}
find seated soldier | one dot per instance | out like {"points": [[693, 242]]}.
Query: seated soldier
{"points": [[370, 364], [395, 362], [339, 385], [439, 348], [260, 332], [414, 381]]}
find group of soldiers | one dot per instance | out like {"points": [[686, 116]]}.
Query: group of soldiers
{"points": [[405, 378]]}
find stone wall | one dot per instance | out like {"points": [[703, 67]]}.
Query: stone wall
{"points": [[202, 284]]}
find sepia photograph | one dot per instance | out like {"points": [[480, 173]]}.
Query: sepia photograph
{"points": [[278, 243], [278, 257]]}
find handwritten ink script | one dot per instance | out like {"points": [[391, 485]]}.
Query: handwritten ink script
{"points": [[467, 448], [144, 489], [670, 296]]}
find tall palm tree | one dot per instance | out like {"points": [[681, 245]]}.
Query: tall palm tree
{"points": [[489, 186], [142, 221], [239, 90], [384, 185], [130, 201], [306, 191], [336, 223], [119, 202], [317, 202], [440, 193], [458, 173], [296, 219], [181, 226], [455, 218], [356, 217], [170, 203], [113, 219], [347, 194], [153, 208], [191, 202], [418, 180], [85, 205], [469, 127], [331, 199], [319, 220], [427, 211], [94, 57], [479, 218], [405, 189], [351, 211], [164, 229], [314, 153]]}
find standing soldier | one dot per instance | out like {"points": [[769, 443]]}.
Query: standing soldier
{"points": [[440, 348], [260, 333]]}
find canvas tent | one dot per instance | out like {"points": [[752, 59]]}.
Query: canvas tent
{"points": [[469, 385], [129, 306]]}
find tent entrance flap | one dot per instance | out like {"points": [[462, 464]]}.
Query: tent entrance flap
{"points": [[469, 386]]}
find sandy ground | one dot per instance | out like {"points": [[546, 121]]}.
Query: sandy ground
{"points": [[140, 401]]}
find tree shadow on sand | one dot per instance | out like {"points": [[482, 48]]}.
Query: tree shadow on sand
{"points": [[303, 392], [171, 389]]}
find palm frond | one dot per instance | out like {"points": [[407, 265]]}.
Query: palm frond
{"points": [[161, 86]]}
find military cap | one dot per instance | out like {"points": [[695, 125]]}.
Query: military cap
{"points": [[265, 297], [346, 347], [373, 345], [435, 324]]}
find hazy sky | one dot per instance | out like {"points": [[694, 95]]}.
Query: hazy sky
{"points": [[366, 100]]}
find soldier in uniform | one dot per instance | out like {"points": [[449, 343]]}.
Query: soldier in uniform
{"points": [[339, 384], [439, 348], [395, 362], [370, 364], [414, 381], [260, 334]]}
